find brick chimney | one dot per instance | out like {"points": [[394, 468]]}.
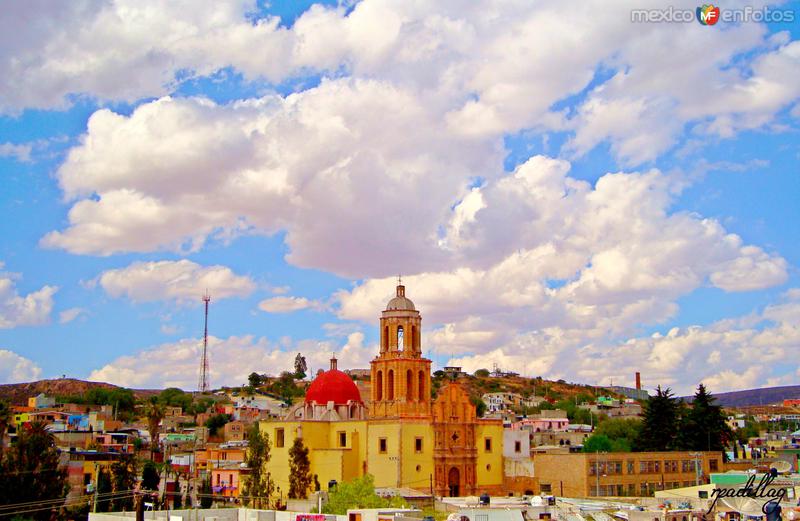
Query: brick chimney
{"points": [[638, 381]]}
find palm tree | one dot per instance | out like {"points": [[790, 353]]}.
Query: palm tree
{"points": [[155, 413], [5, 419]]}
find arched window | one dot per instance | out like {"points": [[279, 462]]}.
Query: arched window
{"points": [[421, 383], [399, 338], [390, 385], [414, 343], [379, 386], [409, 385], [386, 338]]}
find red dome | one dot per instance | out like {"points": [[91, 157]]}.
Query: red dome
{"points": [[332, 385]]}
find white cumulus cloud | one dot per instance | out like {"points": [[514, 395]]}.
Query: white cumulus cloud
{"points": [[181, 281], [15, 368]]}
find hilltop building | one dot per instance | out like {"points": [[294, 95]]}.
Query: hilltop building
{"points": [[403, 437]]}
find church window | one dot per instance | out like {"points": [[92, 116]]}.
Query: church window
{"points": [[487, 444], [409, 385], [399, 338], [391, 384], [417, 445], [382, 445], [279, 441], [380, 385], [421, 393], [342, 439]]}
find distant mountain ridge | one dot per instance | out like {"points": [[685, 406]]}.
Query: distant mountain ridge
{"points": [[749, 397]]}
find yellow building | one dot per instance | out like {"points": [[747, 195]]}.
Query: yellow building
{"points": [[403, 437]]}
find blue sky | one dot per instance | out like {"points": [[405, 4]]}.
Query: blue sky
{"points": [[580, 211]]}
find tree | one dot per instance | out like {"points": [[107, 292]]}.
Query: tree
{"points": [[624, 431], [300, 366], [29, 470], [482, 373], [150, 476], [706, 428], [661, 422], [216, 422], [299, 470], [359, 493], [254, 379], [602, 443], [104, 487], [205, 493], [155, 413], [123, 472], [597, 443], [5, 419], [258, 487], [480, 406], [174, 397]]}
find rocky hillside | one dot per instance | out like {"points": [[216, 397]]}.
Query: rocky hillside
{"points": [[18, 394]]}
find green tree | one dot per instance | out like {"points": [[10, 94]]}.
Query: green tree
{"points": [[285, 388], [254, 379], [258, 487], [216, 422], [602, 443], [299, 470], [104, 487], [482, 373], [29, 470], [358, 493], [150, 476], [174, 397], [661, 422], [5, 419], [154, 414], [480, 406], [706, 427], [625, 431], [123, 472], [205, 493], [300, 366]]}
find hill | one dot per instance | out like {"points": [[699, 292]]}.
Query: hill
{"points": [[18, 394], [764, 396]]}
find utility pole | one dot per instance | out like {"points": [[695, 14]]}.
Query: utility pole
{"points": [[96, 486], [433, 498]]}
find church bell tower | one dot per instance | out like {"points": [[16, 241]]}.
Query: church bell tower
{"points": [[401, 377]]}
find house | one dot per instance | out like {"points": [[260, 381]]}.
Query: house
{"points": [[546, 421], [41, 401], [235, 431]]}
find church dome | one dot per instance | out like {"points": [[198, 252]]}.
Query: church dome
{"points": [[400, 302], [333, 386]]}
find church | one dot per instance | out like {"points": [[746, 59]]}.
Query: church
{"points": [[403, 436]]}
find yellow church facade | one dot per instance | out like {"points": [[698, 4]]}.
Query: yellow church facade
{"points": [[403, 437]]}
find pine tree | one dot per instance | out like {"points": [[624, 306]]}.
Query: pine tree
{"points": [[299, 470], [705, 427], [258, 486], [661, 423], [104, 486], [205, 493]]}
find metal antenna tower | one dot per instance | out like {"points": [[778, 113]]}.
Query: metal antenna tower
{"points": [[203, 385]]}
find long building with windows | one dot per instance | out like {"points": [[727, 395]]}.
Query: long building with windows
{"points": [[403, 437]]}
